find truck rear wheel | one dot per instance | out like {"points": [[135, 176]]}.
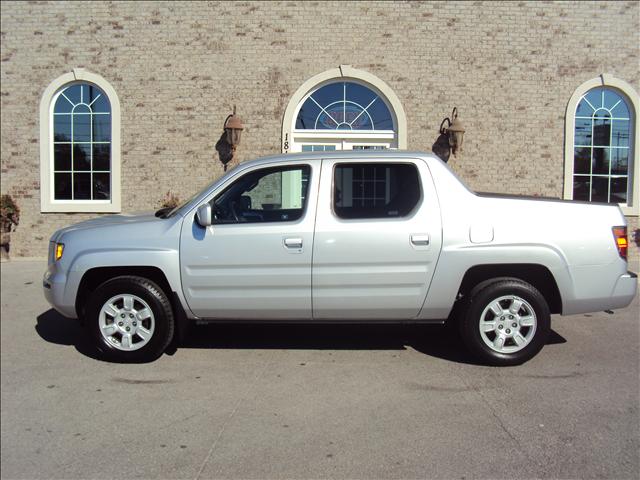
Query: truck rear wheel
{"points": [[130, 319], [505, 322]]}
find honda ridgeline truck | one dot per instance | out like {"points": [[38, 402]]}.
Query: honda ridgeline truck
{"points": [[370, 236]]}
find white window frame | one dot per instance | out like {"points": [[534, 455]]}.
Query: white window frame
{"points": [[632, 207], [293, 139], [47, 201]]}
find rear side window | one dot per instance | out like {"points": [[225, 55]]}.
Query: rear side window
{"points": [[375, 190]]}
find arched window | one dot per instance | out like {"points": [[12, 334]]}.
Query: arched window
{"points": [[343, 109], [601, 143], [80, 156]]}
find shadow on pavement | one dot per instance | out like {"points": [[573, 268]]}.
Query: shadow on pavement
{"points": [[433, 340], [55, 328]]}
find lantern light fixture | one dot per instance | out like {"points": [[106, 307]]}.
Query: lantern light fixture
{"points": [[454, 131], [233, 127]]}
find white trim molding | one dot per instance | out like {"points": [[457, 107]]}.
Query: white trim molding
{"points": [[632, 208], [342, 73], [47, 203]]}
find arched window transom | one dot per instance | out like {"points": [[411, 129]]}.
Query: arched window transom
{"points": [[343, 109], [344, 106], [602, 147]]}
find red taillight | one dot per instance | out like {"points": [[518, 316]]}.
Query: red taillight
{"points": [[620, 236]]}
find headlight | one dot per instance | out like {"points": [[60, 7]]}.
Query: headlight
{"points": [[59, 251]]}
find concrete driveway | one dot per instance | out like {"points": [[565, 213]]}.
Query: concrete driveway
{"points": [[314, 402]]}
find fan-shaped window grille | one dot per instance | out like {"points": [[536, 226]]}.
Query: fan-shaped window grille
{"points": [[344, 106]]}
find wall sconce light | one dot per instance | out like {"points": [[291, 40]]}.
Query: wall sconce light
{"points": [[230, 139], [454, 131], [233, 126]]}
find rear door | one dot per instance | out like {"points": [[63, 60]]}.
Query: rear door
{"points": [[378, 236]]}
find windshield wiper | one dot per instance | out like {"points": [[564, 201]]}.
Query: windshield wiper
{"points": [[163, 212]]}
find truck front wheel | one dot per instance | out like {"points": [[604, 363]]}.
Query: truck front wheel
{"points": [[505, 322], [130, 319]]}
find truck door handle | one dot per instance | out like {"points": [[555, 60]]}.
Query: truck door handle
{"points": [[420, 239], [293, 242]]}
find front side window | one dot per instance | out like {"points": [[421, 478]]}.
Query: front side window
{"points": [[375, 190], [268, 195], [81, 144], [602, 152]]}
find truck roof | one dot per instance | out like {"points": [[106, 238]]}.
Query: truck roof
{"points": [[346, 154]]}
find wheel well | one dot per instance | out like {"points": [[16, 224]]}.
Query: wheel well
{"points": [[537, 275], [96, 276]]}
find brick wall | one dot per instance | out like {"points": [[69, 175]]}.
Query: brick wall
{"points": [[178, 68]]}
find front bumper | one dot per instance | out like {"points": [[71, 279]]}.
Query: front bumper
{"points": [[53, 285]]}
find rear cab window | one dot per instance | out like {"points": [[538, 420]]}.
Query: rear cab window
{"points": [[375, 190]]}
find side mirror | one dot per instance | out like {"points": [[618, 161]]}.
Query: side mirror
{"points": [[203, 215]]}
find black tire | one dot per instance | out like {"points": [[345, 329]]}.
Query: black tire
{"points": [[533, 337], [158, 303]]}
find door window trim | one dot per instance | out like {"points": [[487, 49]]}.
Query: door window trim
{"points": [[274, 168], [406, 217]]}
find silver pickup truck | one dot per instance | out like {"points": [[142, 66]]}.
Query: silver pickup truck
{"points": [[369, 236]]}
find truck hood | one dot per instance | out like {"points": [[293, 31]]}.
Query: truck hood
{"points": [[108, 221]]}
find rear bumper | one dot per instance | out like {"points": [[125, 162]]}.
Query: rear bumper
{"points": [[624, 291]]}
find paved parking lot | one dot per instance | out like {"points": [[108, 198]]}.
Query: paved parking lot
{"points": [[314, 402]]}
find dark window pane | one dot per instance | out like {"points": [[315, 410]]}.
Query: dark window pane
{"points": [[62, 128], [601, 132], [101, 186], [600, 189], [581, 187], [600, 162], [621, 110], [331, 117], [102, 157], [375, 190], [619, 161], [360, 94], [382, 119], [582, 160], [72, 93], [82, 186], [584, 109], [357, 118], [611, 98], [329, 93], [102, 128], [594, 97], [620, 133], [62, 105], [62, 186], [307, 115], [81, 124], [62, 157], [82, 156], [583, 131], [619, 190], [96, 98]]}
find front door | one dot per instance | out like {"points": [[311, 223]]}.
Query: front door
{"points": [[254, 262], [377, 241]]}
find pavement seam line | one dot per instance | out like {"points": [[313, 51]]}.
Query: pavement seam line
{"points": [[229, 418]]}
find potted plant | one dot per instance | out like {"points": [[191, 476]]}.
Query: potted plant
{"points": [[9, 219], [170, 200]]}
